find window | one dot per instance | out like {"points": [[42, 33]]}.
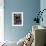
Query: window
{"points": [[17, 19]]}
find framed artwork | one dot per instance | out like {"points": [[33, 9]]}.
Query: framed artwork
{"points": [[17, 18]]}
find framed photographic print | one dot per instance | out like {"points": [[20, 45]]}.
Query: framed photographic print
{"points": [[17, 19]]}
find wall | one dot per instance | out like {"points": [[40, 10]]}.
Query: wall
{"points": [[43, 6], [28, 7], [1, 20]]}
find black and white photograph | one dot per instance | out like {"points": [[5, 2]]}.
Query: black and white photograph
{"points": [[17, 18]]}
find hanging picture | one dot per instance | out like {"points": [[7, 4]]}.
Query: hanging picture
{"points": [[17, 19]]}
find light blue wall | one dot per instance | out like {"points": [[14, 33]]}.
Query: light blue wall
{"points": [[43, 6], [28, 7]]}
